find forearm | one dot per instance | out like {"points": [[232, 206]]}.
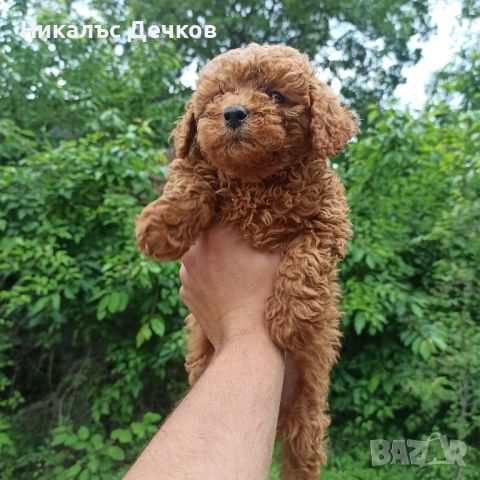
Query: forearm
{"points": [[225, 427]]}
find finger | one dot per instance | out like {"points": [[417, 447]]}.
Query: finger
{"points": [[185, 296], [182, 274], [182, 293]]}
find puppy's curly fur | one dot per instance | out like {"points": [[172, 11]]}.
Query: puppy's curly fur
{"points": [[269, 177]]}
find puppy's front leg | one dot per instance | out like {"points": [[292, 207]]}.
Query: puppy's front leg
{"points": [[167, 227]]}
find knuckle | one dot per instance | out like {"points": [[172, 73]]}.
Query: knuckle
{"points": [[188, 260], [182, 293]]}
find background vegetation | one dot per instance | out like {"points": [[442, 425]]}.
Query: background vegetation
{"points": [[91, 341]]}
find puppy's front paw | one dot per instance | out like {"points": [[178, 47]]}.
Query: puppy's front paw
{"points": [[158, 237]]}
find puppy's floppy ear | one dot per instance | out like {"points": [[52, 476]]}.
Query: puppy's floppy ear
{"points": [[184, 131], [331, 124]]}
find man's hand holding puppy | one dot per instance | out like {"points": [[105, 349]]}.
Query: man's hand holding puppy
{"points": [[225, 284], [225, 427]]}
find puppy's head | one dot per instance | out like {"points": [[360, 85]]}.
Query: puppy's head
{"points": [[259, 109]]}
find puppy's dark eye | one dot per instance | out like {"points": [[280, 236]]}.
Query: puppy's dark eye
{"points": [[277, 97]]}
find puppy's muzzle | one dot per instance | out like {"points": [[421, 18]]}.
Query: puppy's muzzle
{"points": [[234, 116]]}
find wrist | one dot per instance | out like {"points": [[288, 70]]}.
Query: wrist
{"points": [[244, 324], [256, 345]]}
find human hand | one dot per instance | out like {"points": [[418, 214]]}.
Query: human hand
{"points": [[226, 283]]}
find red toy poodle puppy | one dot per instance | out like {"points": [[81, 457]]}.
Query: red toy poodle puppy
{"points": [[252, 150]]}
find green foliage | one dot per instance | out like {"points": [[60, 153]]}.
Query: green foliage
{"points": [[78, 86], [87, 455], [91, 337], [65, 88], [351, 38], [459, 82], [89, 328], [409, 365]]}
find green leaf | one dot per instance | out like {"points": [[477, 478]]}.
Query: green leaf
{"points": [[143, 335], [416, 344], [138, 429], [424, 350], [122, 435], [359, 322], [114, 302], [97, 441], [370, 261], [60, 438], [84, 475], [438, 341], [158, 326], [152, 417], [373, 383], [115, 452], [5, 439], [83, 433], [40, 305], [74, 470], [93, 464], [417, 310], [372, 115], [56, 302], [123, 301], [102, 307], [68, 292]]}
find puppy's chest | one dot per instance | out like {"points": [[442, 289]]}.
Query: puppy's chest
{"points": [[269, 216]]}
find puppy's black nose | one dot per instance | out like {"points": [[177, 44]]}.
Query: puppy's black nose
{"points": [[234, 116]]}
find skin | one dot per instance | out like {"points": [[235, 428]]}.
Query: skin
{"points": [[225, 426]]}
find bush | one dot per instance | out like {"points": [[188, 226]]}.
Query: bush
{"points": [[89, 328]]}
